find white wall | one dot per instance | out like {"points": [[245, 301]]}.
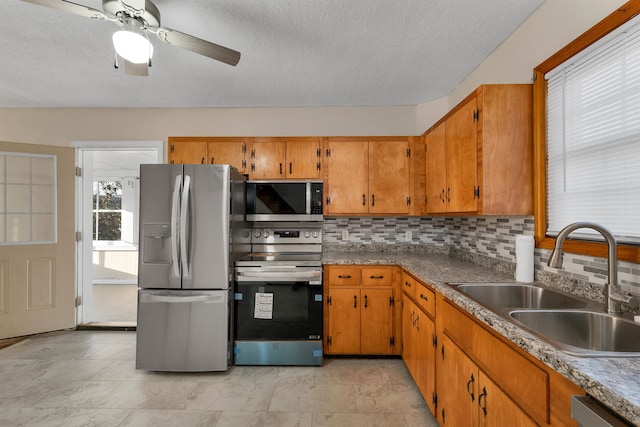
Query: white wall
{"points": [[551, 27], [548, 29]]}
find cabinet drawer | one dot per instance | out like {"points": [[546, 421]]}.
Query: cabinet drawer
{"points": [[426, 298], [524, 382], [347, 276], [408, 285], [377, 276]]}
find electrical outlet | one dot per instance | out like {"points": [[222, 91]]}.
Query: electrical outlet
{"points": [[345, 235], [408, 235]]}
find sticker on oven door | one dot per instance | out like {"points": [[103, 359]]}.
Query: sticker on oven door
{"points": [[264, 306]]}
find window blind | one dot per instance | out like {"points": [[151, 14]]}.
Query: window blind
{"points": [[593, 137]]}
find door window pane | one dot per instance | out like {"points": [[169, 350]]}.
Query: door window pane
{"points": [[27, 198]]}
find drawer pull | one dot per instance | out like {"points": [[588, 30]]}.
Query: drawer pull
{"points": [[424, 297], [376, 277], [366, 301], [355, 301], [407, 284], [340, 276]]}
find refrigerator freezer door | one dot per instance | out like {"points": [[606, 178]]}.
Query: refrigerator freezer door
{"points": [[207, 227], [185, 331], [159, 264]]}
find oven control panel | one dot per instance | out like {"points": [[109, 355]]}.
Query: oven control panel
{"points": [[286, 236]]}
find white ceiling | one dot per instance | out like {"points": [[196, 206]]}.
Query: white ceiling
{"points": [[294, 53]]}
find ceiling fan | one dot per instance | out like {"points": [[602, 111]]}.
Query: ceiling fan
{"points": [[137, 18]]}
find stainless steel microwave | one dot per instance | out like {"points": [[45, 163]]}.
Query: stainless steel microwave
{"points": [[284, 200]]}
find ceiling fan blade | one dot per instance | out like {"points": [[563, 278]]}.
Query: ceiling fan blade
{"points": [[132, 69], [202, 47], [67, 6]]}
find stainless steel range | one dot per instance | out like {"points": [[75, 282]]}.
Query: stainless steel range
{"points": [[279, 296]]}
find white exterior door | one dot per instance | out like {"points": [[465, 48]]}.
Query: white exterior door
{"points": [[37, 239]]}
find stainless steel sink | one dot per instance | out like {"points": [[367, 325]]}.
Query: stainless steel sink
{"points": [[582, 332], [518, 295]]}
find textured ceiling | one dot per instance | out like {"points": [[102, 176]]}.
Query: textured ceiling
{"points": [[294, 53]]}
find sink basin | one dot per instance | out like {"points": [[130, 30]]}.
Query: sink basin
{"points": [[518, 295], [583, 333]]}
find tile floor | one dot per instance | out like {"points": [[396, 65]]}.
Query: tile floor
{"points": [[81, 378]]}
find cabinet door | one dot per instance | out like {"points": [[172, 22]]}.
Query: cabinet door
{"points": [[462, 159], [425, 363], [496, 409], [347, 186], [457, 398], [436, 170], [408, 335], [389, 188], [344, 321], [227, 153], [187, 152], [376, 321], [303, 159], [268, 159]]}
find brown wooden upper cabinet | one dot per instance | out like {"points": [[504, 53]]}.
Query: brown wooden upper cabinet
{"points": [[285, 158], [479, 157], [209, 150], [367, 176]]}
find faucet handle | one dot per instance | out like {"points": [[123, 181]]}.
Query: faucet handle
{"points": [[628, 299]]}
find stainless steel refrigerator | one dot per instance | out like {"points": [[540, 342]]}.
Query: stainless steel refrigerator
{"points": [[192, 229]]}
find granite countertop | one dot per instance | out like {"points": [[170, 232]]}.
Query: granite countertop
{"points": [[613, 381]]}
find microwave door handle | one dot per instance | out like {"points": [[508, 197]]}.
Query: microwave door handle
{"points": [[175, 200], [184, 226], [308, 198]]}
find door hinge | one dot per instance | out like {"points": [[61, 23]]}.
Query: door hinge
{"points": [[78, 301], [392, 301], [172, 149], [78, 171], [244, 148], [328, 152], [253, 167], [476, 115], [409, 201], [329, 300], [318, 152], [244, 164], [392, 341], [318, 166], [329, 341], [78, 236], [328, 201], [476, 192], [408, 152], [253, 154]]}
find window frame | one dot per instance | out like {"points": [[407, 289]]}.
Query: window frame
{"points": [[125, 229], [626, 252]]}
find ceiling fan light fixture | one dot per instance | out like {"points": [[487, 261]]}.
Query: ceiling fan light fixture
{"points": [[132, 46]]}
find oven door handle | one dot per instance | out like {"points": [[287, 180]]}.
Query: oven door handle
{"points": [[281, 275]]}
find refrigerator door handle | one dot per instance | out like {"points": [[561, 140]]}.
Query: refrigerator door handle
{"points": [[184, 226], [175, 198], [181, 299]]}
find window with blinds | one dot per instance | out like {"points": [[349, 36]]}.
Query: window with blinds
{"points": [[593, 137]]}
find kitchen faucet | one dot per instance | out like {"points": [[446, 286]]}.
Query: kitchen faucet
{"points": [[612, 300]]}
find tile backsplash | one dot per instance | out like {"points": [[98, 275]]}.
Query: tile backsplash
{"points": [[489, 239]]}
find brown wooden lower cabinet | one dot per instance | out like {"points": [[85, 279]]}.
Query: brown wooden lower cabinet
{"points": [[360, 310], [471, 376]]}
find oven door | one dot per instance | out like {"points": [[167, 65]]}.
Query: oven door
{"points": [[277, 307]]}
